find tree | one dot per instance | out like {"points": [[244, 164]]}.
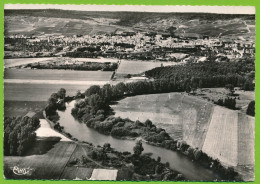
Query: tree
{"points": [[230, 87], [96, 103], [138, 148], [62, 93], [93, 90], [251, 108]]}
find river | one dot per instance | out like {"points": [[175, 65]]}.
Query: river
{"points": [[179, 162]]}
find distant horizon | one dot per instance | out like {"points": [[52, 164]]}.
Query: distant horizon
{"points": [[239, 10]]}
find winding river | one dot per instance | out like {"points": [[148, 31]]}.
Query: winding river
{"points": [[179, 162]]}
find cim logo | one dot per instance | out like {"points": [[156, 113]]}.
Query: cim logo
{"points": [[22, 171]]}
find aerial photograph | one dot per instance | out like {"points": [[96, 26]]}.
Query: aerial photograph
{"points": [[129, 93]]}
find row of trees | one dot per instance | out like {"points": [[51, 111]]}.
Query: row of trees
{"points": [[89, 66], [227, 102], [19, 134], [208, 74]]}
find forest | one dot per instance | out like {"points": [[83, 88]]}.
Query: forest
{"points": [[209, 74], [19, 134]]}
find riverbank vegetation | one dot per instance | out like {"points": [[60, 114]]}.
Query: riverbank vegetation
{"points": [[95, 112], [131, 166], [19, 134]]}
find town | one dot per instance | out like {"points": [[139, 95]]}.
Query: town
{"points": [[131, 45]]}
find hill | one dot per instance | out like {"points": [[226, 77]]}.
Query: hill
{"points": [[82, 22]]}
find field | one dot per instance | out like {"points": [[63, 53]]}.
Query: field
{"points": [[103, 174], [171, 111], [45, 130], [220, 132], [45, 166], [78, 22], [28, 25], [137, 67], [243, 98], [8, 63], [222, 136], [38, 85], [37, 92], [65, 75], [22, 61], [20, 108]]}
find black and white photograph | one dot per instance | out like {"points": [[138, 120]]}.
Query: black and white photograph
{"points": [[129, 92]]}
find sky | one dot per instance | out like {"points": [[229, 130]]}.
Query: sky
{"points": [[140, 8]]}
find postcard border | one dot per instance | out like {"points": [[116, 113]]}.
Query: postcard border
{"points": [[129, 2]]}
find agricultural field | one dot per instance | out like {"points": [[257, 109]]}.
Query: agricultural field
{"points": [[137, 67], [220, 132], [66, 75], [21, 108], [44, 166], [171, 111], [36, 92], [22, 61], [224, 147], [38, 85], [243, 98], [63, 25], [104, 174]]}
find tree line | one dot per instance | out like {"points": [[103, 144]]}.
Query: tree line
{"points": [[19, 134], [88, 66]]}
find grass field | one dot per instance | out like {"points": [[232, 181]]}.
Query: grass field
{"points": [[136, 67], [178, 114]]}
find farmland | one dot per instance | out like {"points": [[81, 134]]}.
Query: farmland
{"points": [[170, 111], [220, 132], [223, 147], [46, 166], [136, 67], [37, 92], [56, 75], [20, 108], [22, 61]]}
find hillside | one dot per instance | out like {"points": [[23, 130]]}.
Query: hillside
{"points": [[81, 22]]}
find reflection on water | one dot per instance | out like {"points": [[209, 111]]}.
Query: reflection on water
{"points": [[179, 162]]}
